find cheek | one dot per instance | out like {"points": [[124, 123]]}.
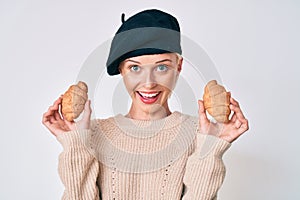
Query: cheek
{"points": [[169, 81], [130, 84]]}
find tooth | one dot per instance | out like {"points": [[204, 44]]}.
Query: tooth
{"points": [[149, 95]]}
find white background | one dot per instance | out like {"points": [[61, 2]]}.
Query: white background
{"points": [[255, 46]]}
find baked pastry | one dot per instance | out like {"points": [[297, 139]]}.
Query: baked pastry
{"points": [[216, 101], [73, 100]]}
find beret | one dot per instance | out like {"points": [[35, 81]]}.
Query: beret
{"points": [[145, 33]]}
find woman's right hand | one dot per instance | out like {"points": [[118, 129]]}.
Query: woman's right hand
{"points": [[57, 125]]}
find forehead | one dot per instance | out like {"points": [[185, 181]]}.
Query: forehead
{"points": [[147, 59]]}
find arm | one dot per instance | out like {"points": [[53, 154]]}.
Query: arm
{"points": [[205, 170], [78, 168]]}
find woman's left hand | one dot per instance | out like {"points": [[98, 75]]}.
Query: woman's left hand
{"points": [[229, 131]]}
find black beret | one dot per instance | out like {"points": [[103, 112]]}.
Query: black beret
{"points": [[147, 32]]}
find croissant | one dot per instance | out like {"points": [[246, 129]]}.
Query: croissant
{"points": [[216, 101], [73, 100]]}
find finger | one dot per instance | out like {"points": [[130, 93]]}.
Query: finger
{"points": [[237, 110], [52, 109], [47, 114], [233, 117], [202, 112], [204, 123], [45, 119], [55, 105], [52, 119], [244, 127], [238, 114], [237, 124], [58, 100], [57, 116], [234, 102], [242, 130], [47, 122]]}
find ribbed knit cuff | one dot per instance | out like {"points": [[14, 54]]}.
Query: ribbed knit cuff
{"points": [[75, 139], [208, 145]]}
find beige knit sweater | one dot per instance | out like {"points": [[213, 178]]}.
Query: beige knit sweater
{"points": [[124, 159]]}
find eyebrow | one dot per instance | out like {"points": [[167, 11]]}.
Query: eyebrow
{"points": [[164, 60], [132, 61]]}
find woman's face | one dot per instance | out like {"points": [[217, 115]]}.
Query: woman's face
{"points": [[150, 79]]}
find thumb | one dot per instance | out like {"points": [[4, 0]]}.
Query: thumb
{"points": [[87, 111], [203, 120]]}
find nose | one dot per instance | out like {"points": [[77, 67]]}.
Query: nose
{"points": [[150, 81]]}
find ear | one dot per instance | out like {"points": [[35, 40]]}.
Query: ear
{"points": [[179, 64], [120, 69]]}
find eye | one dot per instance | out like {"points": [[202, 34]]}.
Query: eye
{"points": [[162, 68], [135, 68]]}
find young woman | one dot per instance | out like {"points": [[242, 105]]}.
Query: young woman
{"points": [[152, 152]]}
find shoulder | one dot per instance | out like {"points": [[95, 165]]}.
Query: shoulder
{"points": [[188, 119], [98, 124]]}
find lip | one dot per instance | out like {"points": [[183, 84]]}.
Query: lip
{"points": [[148, 100]]}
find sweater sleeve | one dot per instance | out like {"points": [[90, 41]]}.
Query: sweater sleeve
{"points": [[205, 170], [78, 168]]}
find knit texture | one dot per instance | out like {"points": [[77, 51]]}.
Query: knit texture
{"points": [[126, 159]]}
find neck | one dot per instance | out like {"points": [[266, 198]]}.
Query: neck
{"points": [[154, 113]]}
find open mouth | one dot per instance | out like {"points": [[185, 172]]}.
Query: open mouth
{"points": [[148, 97]]}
